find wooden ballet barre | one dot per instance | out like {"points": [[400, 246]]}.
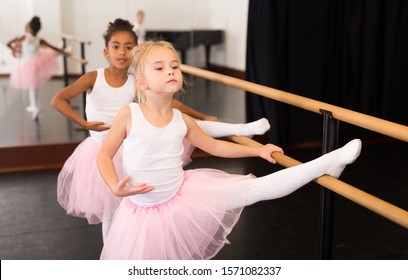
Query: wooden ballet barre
{"points": [[384, 127], [74, 38], [381, 207], [77, 59], [397, 131]]}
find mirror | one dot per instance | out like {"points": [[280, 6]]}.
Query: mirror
{"points": [[71, 17], [79, 18]]}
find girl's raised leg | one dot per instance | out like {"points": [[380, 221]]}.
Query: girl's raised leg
{"points": [[286, 181]]}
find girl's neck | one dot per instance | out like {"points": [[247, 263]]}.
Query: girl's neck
{"points": [[115, 77], [157, 114], [160, 106], [117, 73]]}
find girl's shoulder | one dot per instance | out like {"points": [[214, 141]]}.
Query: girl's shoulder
{"points": [[187, 119], [90, 76], [124, 113], [86, 81]]}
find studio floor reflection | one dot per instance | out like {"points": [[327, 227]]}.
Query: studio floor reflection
{"points": [[19, 129]]}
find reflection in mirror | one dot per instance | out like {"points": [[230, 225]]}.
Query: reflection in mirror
{"points": [[78, 18], [31, 77], [20, 125]]}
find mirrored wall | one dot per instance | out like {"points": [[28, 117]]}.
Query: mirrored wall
{"points": [[77, 18], [87, 20]]}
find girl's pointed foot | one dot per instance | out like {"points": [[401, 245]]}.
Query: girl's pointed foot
{"points": [[258, 127], [345, 155]]}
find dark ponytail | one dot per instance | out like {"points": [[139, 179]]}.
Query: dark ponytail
{"points": [[35, 25]]}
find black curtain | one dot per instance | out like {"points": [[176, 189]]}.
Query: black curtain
{"points": [[350, 53]]}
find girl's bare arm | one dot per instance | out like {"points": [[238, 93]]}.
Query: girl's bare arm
{"points": [[61, 101], [110, 146]]}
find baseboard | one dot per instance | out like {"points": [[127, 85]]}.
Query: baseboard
{"points": [[58, 77], [36, 157]]}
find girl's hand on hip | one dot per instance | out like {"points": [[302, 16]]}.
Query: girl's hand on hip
{"points": [[123, 189]]}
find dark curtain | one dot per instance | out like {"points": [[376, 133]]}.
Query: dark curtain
{"points": [[350, 53]]}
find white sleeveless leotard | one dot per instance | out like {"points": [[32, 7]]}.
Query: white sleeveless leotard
{"points": [[30, 46], [104, 101], [157, 163]]}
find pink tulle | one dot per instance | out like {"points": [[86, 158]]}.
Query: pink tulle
{"points": [[194, 224], [81, 190], [188, 150], [33, 72]]}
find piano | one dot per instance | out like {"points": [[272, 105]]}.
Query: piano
{"points": [[183, 40]]}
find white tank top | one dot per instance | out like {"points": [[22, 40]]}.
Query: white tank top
{"points": [[153, 155], [104, 101], [30, 46]]}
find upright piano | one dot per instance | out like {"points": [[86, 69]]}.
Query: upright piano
{"points": [[182, 40]]}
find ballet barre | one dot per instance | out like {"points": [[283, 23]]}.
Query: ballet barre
{"points": [[379, 206], [74, 38], [331, 117], [384, 127], [65, 37], [77, 59], [68, 37], [381, 126]]}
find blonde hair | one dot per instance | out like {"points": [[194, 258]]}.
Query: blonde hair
{"points": [[140, 54]]}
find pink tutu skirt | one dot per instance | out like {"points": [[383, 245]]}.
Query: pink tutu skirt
{"points": [[193, 224], [81, 191], [33, 72]]}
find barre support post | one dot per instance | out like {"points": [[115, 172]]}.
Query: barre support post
{"points": [[83, 72], [64, 45], [330, 143]]}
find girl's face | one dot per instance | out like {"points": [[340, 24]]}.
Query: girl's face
{"points": [[119, 50], [162, 71], [140, 17]]}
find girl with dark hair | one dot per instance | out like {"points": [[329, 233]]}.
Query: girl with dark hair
{"points": [[38, 62]]}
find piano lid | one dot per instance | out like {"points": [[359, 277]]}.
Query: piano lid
{"points": [[184, 39]]}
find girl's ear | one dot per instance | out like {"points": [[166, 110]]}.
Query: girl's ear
{"points": [[105, 53], [140, 83]]}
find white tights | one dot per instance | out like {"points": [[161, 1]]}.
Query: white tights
{"points": [[33, 108], [221, 129], [32, 96], [106, 224], [286, 181]]}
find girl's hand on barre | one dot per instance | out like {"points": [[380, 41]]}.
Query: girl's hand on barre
{"points": [[96, 126], [266, 151]]}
